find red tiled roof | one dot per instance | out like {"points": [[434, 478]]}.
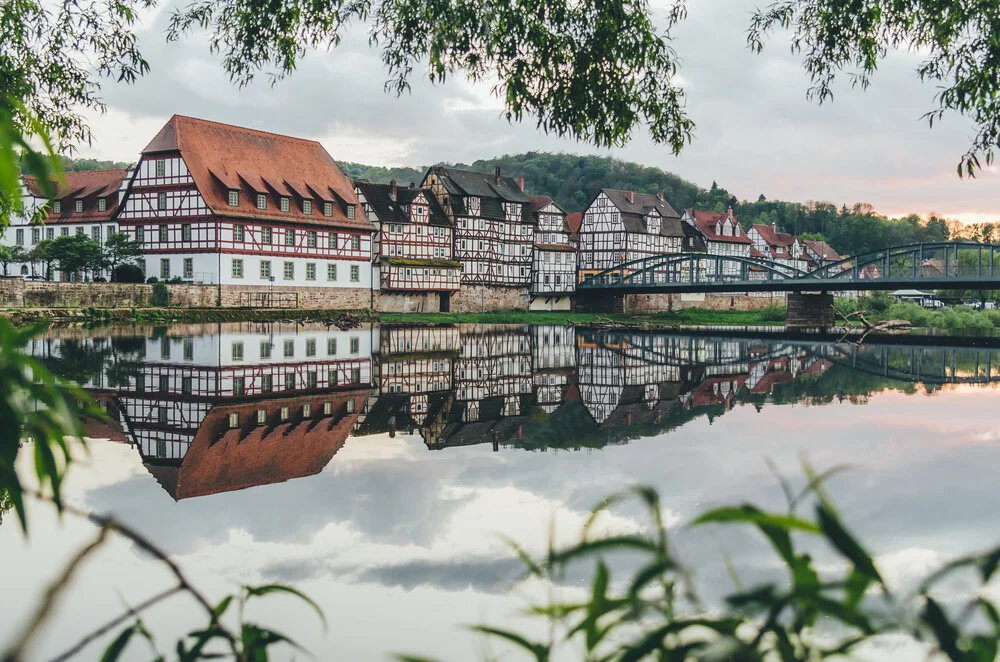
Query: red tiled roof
{"points": [[221, 459], [573, 221], [823, 249], [772, 236], [539, 202], [88, 186], [221, 156], [705, 222]]}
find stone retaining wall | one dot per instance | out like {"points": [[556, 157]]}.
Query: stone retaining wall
{"points": [[17, 293], [473, 299], [653, 303], [407, 302]]}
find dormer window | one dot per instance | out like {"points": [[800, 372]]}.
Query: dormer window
{"points": [[284, 203], [718, 228], [261, 201], [234, 198], [102, 204], [328, 209], [307, 206], [350, 211], [79, 206], [473, 204], [57, 206]]}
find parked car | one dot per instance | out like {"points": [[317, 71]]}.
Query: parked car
{"points": [[32, 277], [978, 305]]}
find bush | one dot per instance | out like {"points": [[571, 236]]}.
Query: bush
{"points": [[128, 273], [876, 302], [774, 313], [161, 297], [152, 279], [176, 280]]}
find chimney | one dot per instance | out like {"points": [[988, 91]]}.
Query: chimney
{"points": [[631, 196], [392, 189], [520, 183], [660, 196], [496, 173]]}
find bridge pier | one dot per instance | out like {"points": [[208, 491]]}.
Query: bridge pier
{"points": [[810, 311]]}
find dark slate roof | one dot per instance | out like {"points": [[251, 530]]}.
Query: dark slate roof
{"points": [[493, 191], [641, 203], [379, 197]]}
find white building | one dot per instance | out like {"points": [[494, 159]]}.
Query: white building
{"points": [[553, 267], [220, 204], [85, 204]]}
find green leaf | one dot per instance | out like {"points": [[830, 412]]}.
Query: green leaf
{"points": [[269, 589], [944, 631], [221, 608], [752, 515], [846, 544], [114, 651], [540, 652]]}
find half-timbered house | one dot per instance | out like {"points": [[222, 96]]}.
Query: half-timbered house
{"points": [[494, 235], [778, 246], [722, 236], [85, 204], [553, 267], [819, 253], [413, 268], [237, 207], [619, 227]]}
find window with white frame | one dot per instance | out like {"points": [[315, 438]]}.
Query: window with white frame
{"points": [[350, 211], [331, 271], [237, 268], [165, 269], [289, 270], [234, 198], [261, 201], [57, 206], [265, 269], [311, 240], [238, 233], [310, 271], [328, 209], [161, 201], [102, 204], [163, 233], [289, 237], [265, 236], [307, 206], [79, 206], [333, 240], [284, 203], [36, 235], [186, 232], [289, 349], [188, 268], [355, 273], [161, 167]]}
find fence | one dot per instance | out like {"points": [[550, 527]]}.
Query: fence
{"points": [[269, 300]]}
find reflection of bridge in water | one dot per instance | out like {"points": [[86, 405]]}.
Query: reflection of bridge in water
{"points": [[247, 406]]}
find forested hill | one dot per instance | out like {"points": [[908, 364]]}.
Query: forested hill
{"points": [[572, 181]]}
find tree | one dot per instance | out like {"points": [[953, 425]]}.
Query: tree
{"points": [[120, 250], [42, 253], [75, 253], [957, 39], [10, 254]]}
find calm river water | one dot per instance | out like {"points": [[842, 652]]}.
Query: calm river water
{"points": [[379, 469]]}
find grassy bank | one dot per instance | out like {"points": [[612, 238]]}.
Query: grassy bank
{"points": [[181, 315], [881, 308], [685, 317]]}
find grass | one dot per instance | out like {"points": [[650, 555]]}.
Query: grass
{"points": [[880, 308], [684, 317]]}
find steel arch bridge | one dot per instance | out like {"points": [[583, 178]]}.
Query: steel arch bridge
{"points": [[964, 266]]}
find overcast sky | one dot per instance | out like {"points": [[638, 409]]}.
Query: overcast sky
{"points": [[756, 133]]}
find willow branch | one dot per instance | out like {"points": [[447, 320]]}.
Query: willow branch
{"points": [[110, 523], [52, 594], [115, 622]]}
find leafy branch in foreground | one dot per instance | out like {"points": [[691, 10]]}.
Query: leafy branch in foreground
{"points": [[656, 614], [957, 38]]}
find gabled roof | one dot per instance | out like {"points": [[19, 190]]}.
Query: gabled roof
{"points": [[822, 249], [379, 198], [771, 235], [88, 186], [493, 190], [573, 221], [221, 459], [221, 157], [640, 203], [635, 211], [705, 222]]}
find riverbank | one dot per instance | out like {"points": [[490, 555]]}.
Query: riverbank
{"points": [[683, 317], [22, 316]]}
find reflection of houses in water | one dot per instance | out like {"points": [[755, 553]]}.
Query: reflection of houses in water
{"points": [[493, 384], [221, 412], [413, 380], [553, 353]]}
